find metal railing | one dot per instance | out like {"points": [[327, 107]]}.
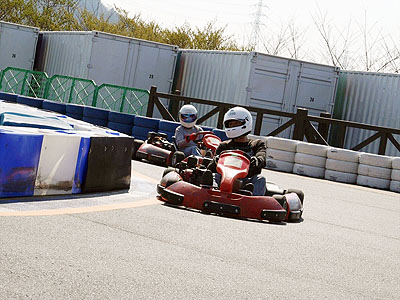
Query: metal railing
{"points": [[122, 99], [301, 121], [69, 89], [23, 82]]}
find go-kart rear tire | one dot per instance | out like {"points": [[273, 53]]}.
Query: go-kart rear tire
{"points": [[298, 192], [177, 157], [136, 146]]}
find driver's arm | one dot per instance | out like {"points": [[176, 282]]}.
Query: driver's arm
{"points": [[261, 153], [180, 138], [260, 150]]}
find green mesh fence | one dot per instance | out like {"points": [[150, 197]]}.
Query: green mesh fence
{"points": [[68, 89], [23, 82], [122, 99]]}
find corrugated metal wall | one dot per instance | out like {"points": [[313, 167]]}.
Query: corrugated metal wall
{"points": [[371, 98], [17, 45], [214, 77], [108, 58], [258, 80], [64, 53]]}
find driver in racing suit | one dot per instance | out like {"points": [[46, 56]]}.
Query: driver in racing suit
{"points": [[238, 124]]}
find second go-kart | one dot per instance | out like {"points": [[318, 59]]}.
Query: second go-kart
{"points": [[156, 149], [206, 141], [191, 186]]}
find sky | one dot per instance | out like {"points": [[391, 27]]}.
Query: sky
{"points": [[238, 16]]}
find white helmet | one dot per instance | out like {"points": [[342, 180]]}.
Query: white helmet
{"points": [[188, 115], [239, 114]]}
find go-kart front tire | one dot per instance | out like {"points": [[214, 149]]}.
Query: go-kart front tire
{"points": [[299, 193]]}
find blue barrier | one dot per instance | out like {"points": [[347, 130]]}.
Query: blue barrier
{"points": [[147, 122], [81, 165], [141, 132], [34, 102], [74, 109], [54, 106], [99, 122], [168, 125], [220, 133], [117, 117], [95, 113], [120, 127], [8, 97], [19, 163]]}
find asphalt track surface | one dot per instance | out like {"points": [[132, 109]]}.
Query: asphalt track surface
{"points": [[131, 246]]}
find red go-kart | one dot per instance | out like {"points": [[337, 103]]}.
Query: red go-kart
{"points": [[189, 187], [156, 149]]}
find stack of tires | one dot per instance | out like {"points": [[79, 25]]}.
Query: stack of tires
{"points": [[280, 154], [310, 160], [342, 165], [395, 182], [374, 171]]}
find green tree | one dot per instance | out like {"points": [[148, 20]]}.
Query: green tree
{"points": [[12, 11], [67, 15]]}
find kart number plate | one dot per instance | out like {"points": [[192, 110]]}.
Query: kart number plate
{"points": [[221, 208], [232, 161]]}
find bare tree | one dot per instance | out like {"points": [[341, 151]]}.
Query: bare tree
{"points": [[294, 40], [336, 42]]}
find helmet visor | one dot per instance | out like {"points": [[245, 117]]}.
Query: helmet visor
{"points": [[188, 118], [234, 123]]}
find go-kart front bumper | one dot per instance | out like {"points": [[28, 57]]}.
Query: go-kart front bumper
{"points": [[210, 200]]}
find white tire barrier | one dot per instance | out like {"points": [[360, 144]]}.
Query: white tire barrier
{"points": [[372, 171], [281, 144], [343, 155], [280, 155], [395, 175], [396, 163], [341, 166], [312, 149], [376, 160], [310, 160], [310, 171], [373, 182], [340, 176], [335, 164], [279, 165], [395, 186], [257, 137]]}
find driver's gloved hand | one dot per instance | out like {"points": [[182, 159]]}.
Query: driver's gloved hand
{"points": [[254, 162]]}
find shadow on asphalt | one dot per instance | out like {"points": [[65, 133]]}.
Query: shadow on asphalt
{"points": [[229, 217]]}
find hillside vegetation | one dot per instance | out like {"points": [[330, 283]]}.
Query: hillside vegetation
{"points": [[70, 15]]}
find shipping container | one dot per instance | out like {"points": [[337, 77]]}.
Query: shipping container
{"points": [[257, 80], [370, 98], [107, 58], [17, 45]]}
